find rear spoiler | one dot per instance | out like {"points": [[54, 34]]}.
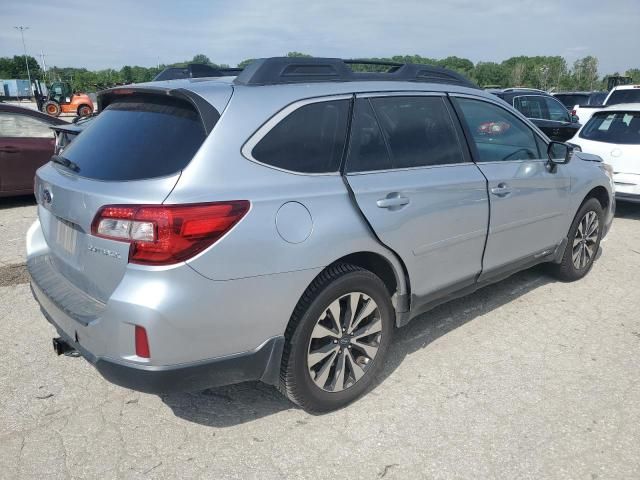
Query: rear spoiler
{"points": [[69, 128], [207, 112]]}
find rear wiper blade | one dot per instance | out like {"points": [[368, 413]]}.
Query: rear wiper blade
{"points": [[65, 162]]}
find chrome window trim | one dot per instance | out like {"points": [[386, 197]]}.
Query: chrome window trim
{"points": [[401, 93], [266, 127]]}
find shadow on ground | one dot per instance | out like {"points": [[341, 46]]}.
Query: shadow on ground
{"points": [[628, 210], [13, 202], [237, 404]]}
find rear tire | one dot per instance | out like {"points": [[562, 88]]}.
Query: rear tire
{"points": [[84, 110], [51, 108], [584, 241], [327, 364]]}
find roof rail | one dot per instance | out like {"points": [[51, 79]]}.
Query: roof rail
{"points": [[512, 89], [284, 70], [195, 70]]}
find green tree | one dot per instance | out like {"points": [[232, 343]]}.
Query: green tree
{"points": [[490, 73]]}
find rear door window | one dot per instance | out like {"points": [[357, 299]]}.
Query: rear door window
{"points": [[419, 131], [23, 126], [311, 139], [367, 148], [135, 140]]}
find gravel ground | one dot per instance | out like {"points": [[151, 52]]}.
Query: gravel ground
{"points": [[528, 378]]}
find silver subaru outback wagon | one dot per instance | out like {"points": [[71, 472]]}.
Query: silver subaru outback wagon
{"points": [[280, 224]]}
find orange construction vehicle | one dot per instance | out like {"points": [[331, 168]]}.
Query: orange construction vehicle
{"points": [[61, 99]]}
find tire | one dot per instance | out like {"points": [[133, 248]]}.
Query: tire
{"points": [[84, 110], [316, 385], [51, 108], [585, 247]]}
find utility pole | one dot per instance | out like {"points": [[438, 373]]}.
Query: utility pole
{"points": [[44, 64], [24, 46]]}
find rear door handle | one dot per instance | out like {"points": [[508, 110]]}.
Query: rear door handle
{"points": [[392, 201], [9, 149], [502, 190]]}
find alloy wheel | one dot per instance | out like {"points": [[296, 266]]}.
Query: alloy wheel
{"points": [[344, 342], [584, 242]]}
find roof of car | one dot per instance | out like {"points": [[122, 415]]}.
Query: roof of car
{"points": [[626, 87], [577, 93], [634, 107], [5, 107]]}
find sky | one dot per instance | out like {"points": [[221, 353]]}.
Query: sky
{"points": [[114, 33]]}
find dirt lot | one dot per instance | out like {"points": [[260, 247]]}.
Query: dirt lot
{"points": [[528, 378]]}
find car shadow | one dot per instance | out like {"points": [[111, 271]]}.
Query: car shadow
{"points": [[237, 404], [628, 210], [19, 201]]}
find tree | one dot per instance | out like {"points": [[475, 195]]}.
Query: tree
{"points": [[634, 73], [490, 73], [201, 58]]}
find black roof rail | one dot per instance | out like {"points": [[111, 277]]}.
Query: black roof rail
{"points": [[195, 70], [283, 70]]}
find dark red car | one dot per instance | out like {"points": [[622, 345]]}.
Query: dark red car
{"points": [[26, 143]]}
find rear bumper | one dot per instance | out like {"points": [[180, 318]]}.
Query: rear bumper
{"points": [[261, 364]]}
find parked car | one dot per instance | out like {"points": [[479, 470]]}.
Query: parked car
{"points": [[544, 110], [571, 99], [614, 134], [284, 241], [66, 132], [621, 94], [26, 143]]}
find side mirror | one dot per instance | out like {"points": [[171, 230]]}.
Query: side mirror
{"points": [[559, 153], [574, 119]]}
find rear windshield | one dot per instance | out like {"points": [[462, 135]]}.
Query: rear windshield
{"points": [[614, 127], [624, 96], [570, 101], [134, 140]]}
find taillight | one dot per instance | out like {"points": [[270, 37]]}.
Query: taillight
{"points": [[166, 234]]}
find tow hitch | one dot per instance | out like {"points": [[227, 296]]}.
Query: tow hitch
{"points": [[61, 347]]}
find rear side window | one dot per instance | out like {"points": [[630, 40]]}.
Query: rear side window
{"points": [[631, 95], [311, 139], [571, 100], [134, 140], [418, 130]]}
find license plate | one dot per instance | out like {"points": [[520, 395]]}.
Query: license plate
{"points": [[66, 237]]}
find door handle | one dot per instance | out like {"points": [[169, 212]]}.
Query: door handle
{"points": [[502, 190], [9, 149], [392, 201]]}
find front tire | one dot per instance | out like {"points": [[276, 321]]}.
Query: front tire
{"points": [[584, 241], [337, 339], [52, 108]]}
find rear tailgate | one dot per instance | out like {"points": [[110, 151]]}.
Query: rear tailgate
{"points": [[132, 153]]}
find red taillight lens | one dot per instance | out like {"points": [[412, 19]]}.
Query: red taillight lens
{"points": [[166, 234], [142, 342]]}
